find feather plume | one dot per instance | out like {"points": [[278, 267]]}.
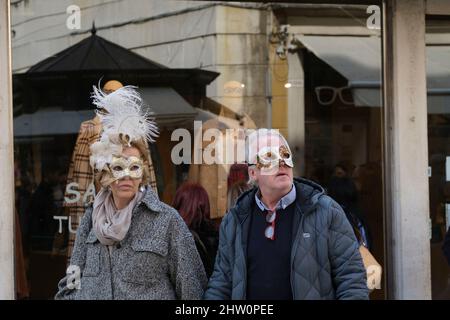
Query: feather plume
{"points": [[122, 115]]}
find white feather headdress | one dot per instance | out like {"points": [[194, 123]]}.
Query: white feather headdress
{"points": [[123, 119]]}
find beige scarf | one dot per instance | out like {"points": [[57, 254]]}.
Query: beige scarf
{"points": [[111, 225]]}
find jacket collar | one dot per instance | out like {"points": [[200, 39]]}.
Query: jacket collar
{"points": [[152, 201], [308, 193], [282, 203]]}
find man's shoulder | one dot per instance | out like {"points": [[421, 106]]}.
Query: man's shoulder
{"points": [[328, 210], [243, 206], [325, 201], [321, 206]]}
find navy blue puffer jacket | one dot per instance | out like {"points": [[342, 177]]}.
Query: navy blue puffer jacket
{"points": [[325, 260]]}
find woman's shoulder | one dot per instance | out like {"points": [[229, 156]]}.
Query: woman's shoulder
{"points": [[154, 204], [162, 210], [159, 221]]}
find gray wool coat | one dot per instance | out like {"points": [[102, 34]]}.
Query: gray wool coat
{"points": [[157, 259]]}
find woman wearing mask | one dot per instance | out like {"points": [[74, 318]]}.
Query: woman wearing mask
{"points": [[129, 245]]}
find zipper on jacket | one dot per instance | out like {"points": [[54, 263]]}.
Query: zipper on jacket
{"points": [[239, 231], [295, 244], [293, 250]]}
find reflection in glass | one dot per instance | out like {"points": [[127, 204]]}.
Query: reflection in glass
{"points": [[210, 62]]}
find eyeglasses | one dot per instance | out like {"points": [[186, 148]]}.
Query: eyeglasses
{"points": [[326, 95], [269, 233]]}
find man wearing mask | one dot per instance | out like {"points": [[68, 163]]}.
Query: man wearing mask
{"points": [[285, 239]]}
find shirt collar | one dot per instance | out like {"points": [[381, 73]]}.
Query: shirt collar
{"points": [[282, 204]]}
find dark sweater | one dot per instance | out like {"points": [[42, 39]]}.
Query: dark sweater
{"points": [[268, 261]]}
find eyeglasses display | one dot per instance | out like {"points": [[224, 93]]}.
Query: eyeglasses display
{"points": [[327, 95]]}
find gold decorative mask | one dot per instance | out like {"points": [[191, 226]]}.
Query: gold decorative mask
{"points": [[270, 157], [121, 167]]}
